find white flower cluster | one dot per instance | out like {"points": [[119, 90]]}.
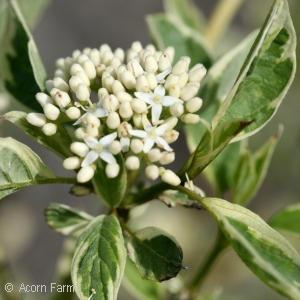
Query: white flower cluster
{"points": [[129, 108]]}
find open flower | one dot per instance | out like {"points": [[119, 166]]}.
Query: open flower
{"points": [[96, 109], [152, 135], [99, 149], [157, 100]]}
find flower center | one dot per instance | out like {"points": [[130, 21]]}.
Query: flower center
{"points": [[92, 108], [152, 134], [157, 99], [98, 148]]}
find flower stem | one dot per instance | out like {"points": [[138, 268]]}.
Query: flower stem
{"points": [[220, 19]]}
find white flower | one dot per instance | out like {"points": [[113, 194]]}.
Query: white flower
{"points": [[96, 109], [99, 149], [152, 134], [157, 100]]}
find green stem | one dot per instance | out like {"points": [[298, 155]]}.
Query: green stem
{"points": [[220, 244], [221, 18]]}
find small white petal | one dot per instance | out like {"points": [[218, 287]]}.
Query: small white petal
{"points": [[107, 157], [91, 142], [168, 101], [161, 142], [156, 111], [90, 158], [148, 145], [139, 133], [106, 140], [162, 129], [100, 112], [160, 90], [147, 97]]}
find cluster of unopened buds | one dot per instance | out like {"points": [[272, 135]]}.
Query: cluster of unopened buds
{"points": [[137, 107]]}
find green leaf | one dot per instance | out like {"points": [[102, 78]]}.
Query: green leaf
{"points": [[58, 143], [187, 12], [66, 219], [168, 30], [21, 167], [252, 170], [211, 144], [265, 76], [141, 289], [156, 254], [23, 73], [220, 173], [265, 252], [287, 219], [110, 190], [99, 259]]}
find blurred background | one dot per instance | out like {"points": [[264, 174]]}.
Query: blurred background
{"points": [[32, 248]]}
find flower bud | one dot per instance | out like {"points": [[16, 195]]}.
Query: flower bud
{"points": [[82, 92], [123, 96], [152, 81], [111, 70], [49, 85], [150, 64], [197, 73], [113, 120], [135, 68], [43, 99], [171, 52], [136, 46], [157, 55], [189, 91], [171, 79], [119, 53], [172, 122], [145, 53], [60, 84], [89, 69], [104, 48], [75, 68], [112, 170], [183, 79], [92, 129], [73, 82], [82, 58], [95, 56], [107, 57], [117, 87], [123, 129], [190, 119], [151, 48], [59, 64], [174, 91], [53, 92], [62, 99], [49, 129], [73, 113], [81, 149], [120, 71], [167, 158], [128, 80], [180, 66], [107, 83], [83, 77], [137, 120], [136, 146], [154, 155], [125, 110], [92, 119], [170, 177], [85, 174], [193, 105], [76, 53], [132, 163], [68, 62], [51, 111], [111, 103], [61, 74], [102, 93], [138, 105], [164, 62], [152, 172], [142, 84], [72, 163], [100, 69], [176, 109], [114, 147], [131, 54], [171, 136], [79, 133]]}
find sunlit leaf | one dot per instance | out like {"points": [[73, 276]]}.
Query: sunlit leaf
{"points": [[20, 167], [265, 76], [266, 253], [66, 219], [156, 254], [168, 30], [99, 259]]}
